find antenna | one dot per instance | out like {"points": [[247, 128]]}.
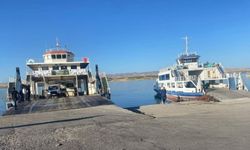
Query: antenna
{"points": [[186, 44], [57, 43]]}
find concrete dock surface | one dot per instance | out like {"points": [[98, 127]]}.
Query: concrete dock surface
{"points": [[226, 94], [188, 126]]}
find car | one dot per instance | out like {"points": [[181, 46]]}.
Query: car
{"points": [[54, 90]]}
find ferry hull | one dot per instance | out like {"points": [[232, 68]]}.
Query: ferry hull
{"points": [[183, 96], [177, 98]]}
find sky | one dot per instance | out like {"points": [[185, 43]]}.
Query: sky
{"points": [[125, 35]]}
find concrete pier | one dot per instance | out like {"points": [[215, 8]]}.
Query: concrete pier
{"points": [[188, 125], [226, 94]]}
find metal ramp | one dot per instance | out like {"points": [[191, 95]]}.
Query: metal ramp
{"points": [[245, 81], [105, 85], [221, 70], [232, 83], [239, 81], [102, 84]]}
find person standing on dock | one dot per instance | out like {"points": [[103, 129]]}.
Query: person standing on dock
{"points": [[24, 90], [21, 97], [28, 93], [14, 97], [163, 95]]}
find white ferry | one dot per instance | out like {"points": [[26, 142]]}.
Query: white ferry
{"points": [[59, 74], [60, 68], [186, 80]]}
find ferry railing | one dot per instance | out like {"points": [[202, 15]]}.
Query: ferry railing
{"points": [[78, 72], [217, 77], [36, 60], [41, 60], [58, 72], [180, 78]]}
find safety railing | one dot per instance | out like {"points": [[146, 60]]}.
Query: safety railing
{"points": [[58, 72]]}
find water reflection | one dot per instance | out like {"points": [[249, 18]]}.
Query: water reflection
{"points": [[134, 93], [2, 101]]}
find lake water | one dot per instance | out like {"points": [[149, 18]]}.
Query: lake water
{"points": [[133, 93], [2, 100]]}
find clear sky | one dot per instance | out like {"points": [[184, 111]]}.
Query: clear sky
{"points": [[125, 35]]}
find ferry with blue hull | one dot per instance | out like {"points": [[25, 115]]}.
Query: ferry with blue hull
{"points": [[188, 79]]}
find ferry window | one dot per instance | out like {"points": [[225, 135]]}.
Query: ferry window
{"points": [[53, 56], [161, 78], [179, 85], [45, 68], [55, 67], [58, 56], [73, 67], [173, 85], [82, 66], [64, 56], [167, 77], [168, 85], [63, 67], [189, 85], [164, 77]]}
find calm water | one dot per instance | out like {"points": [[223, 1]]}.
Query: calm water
{"points": [[133, 93], [2, 100]]}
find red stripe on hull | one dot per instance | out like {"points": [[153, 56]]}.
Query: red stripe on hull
{"points": [[189, 98]]}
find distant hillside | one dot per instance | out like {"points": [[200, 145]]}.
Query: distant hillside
{"points": [[132, 76], [3, 85], [232, 70], [153, 74]]}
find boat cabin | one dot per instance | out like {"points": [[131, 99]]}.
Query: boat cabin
{"points": [[188, 61]]}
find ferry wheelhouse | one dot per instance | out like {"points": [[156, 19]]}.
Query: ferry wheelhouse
{"points": [[188, 78], [60, 68]]}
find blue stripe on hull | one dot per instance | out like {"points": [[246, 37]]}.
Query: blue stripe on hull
{"points": [[186, 94], [181, 94]]}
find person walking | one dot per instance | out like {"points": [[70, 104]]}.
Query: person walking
{"points": [[15, 97], [164, 95], [28, 93]]}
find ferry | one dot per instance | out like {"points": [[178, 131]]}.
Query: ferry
{"points": [[188, 79], [59, 74]]}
